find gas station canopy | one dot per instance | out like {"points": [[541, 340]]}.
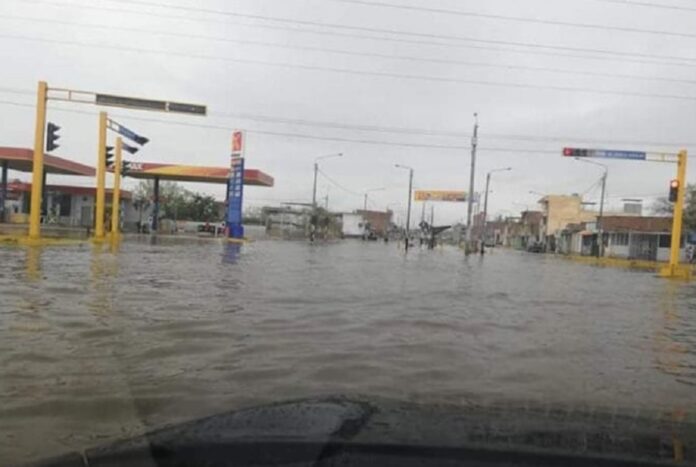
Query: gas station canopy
{"points": [[20, 159], [193, 173]]}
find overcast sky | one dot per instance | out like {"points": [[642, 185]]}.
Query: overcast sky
{"points": [[332, 83]]}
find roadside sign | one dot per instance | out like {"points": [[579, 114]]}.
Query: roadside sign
{"points": [[605, 154], [238, 143], [235, 189], [441, 195], [149, 104]]}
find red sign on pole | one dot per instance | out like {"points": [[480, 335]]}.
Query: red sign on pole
{"points": [[238, 143]]}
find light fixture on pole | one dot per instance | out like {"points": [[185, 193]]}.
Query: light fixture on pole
{"points": [[410, 195]]}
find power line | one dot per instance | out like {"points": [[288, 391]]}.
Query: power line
{"points": [[355, 72], [25, 92], [518, 19], [334, 182], [492, 136], [308, 136], [647, 4], [449, 134], [608, 55], [356, 53]]}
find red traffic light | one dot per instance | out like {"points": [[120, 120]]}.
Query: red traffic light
{"points": [[673, 191], [576, 152]]}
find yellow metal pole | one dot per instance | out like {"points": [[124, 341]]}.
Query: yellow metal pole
{"points": [[116, 195], [101, 179], [38, 163], [674, 269]]}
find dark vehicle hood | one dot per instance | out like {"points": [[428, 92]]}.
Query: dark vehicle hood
{"points": [[352, 432]]}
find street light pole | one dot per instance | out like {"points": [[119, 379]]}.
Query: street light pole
{"points": [[472, 176], [410, 191], [600, 218], [485, 207]]}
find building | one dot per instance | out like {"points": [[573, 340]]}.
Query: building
{"points": [[559, 211], [353, 225], [66, 205], [646, 238], [526, 231], [378, 222], [286, 221]]}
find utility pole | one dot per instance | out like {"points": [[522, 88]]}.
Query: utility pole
{"points": [[314, 189], [423, 212], [600, 229], [368, 192], [485, 207], [432, 215], [485, 214], [408, 212], [410, 195], [316, 171], [474, 143]]}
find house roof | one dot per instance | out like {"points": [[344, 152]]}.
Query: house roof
{"points": [[194, 173], [21, 160], [636, 224]]}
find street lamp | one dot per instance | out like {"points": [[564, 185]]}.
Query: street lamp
{"points": [[316, 170], [600, 232], [370, 191], [485, 206], [410, 191]]}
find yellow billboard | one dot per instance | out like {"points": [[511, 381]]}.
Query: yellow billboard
{"points": [[440, 195]]}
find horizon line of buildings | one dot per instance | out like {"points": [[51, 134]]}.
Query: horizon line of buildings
{"points": [[563, 225]]}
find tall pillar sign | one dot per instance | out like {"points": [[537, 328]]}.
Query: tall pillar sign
{"points": [[235, 186]]}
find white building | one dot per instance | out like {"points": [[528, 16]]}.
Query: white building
{"points": [[353, 225], [66, 205]]}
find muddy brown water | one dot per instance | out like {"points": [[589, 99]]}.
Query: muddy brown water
{"points": [[97, 345]]}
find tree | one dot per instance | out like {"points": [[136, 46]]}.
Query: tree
{"points": [[663, 207], [176, 202], [203, 208]]}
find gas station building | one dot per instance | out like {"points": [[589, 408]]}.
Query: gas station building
{"points": [[74, 206]]}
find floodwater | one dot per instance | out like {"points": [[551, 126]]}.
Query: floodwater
{"points": [[97, 345]]}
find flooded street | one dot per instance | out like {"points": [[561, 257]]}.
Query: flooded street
{"points": [[96, 346]]}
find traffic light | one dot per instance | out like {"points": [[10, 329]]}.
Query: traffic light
{"points": [[575, 152], [130, 149], [52, 136], [125, 168], [673, 191], [109, 160]]}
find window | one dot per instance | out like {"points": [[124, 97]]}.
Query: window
{"points": [[619, 239], [665, 241], [64, 201]]}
